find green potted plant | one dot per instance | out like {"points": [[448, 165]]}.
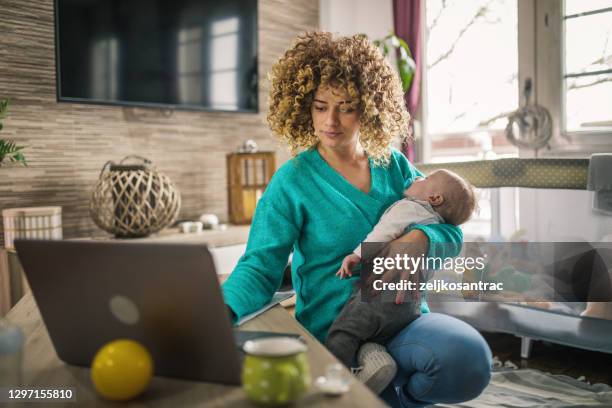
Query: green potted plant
{"points": [[405, 63], [9, 150]]}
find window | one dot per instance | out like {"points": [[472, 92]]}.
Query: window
{"points": [[480, 54], [472, 70], [471, 86], [588, 65], [571, 64]]}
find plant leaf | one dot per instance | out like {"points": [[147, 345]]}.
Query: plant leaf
{"points": [[405, 46], [406, 75], [394, 41], [9, 150], [20, 158], [406, 66]]}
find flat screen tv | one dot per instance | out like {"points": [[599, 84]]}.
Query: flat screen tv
{"points": [[191, 54]]}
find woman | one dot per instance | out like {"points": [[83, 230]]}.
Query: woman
{"points": [[341, 103]]}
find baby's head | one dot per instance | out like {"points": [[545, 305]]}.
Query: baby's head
{"points": [[451, 196]]}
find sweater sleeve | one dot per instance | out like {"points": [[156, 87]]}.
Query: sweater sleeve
{"points": [[445, 240], [259, 272]]}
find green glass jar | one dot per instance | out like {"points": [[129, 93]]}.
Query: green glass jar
{"points": [[275, 370]]}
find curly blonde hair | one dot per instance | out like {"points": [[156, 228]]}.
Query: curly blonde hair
{"points": [[350, 63]]}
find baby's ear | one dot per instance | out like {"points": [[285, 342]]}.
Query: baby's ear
{"points": [[435, 199]]}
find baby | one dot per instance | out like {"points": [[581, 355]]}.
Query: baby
{"points": [[361, 328]]}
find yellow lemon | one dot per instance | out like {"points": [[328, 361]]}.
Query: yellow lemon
{"points": [[121, 370]]}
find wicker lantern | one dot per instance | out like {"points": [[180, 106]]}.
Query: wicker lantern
{"points": [[133, 200]]}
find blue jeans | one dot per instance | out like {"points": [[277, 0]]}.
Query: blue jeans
{"points": [[439, 359]]}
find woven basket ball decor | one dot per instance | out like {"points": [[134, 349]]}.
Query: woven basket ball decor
{"points": [[133, 200]]}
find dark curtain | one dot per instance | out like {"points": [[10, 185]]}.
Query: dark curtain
{"points": [[407, 25]]}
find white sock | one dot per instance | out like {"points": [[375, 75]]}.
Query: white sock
{"points": [[377, 367]]}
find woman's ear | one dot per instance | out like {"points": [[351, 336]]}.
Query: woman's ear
{"points": [[435, 199]]}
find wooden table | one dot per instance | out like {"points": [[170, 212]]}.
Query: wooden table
{"points": [[43, 369]]}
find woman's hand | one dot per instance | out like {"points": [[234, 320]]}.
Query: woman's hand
{"points": [[414, 244]]}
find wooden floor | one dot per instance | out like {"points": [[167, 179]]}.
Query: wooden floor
{"points": [[594, 366]]}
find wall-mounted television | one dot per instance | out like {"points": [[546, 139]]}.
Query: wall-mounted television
{"points": [[184, 54]]}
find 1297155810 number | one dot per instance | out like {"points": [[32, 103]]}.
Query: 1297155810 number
{"points": [[8, 394]]}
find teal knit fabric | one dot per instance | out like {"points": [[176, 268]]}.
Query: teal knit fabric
{"points": [[312, 209]]}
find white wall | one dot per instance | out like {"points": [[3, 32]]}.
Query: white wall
{"points": [[347, 17]]}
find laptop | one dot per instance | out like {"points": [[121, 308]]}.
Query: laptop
{"points": [[165, 296]]}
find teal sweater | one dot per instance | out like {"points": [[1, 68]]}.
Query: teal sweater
{"points": [[312, 209]]}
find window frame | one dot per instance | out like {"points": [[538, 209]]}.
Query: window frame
{"points": [[550, 36]]}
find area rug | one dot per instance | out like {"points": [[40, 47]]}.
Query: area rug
{"points": [[526, 388]]}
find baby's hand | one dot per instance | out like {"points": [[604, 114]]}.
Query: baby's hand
{"points": [[347, 264]]}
